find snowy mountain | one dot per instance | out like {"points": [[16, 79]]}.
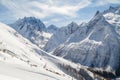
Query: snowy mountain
{"points": [[96, 43], [32, 29], [60, 36], [52, 29]]}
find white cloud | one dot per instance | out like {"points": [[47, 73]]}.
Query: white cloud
{"points": [[43, 9], [68, 10]]}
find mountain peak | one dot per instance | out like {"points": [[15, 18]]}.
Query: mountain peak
{"points": [[30, 19], [72, 23], [31, 23], [97, 13], [52, 28], [32, 29], [111, 7]]}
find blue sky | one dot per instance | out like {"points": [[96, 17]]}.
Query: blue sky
{"points": [[58, 12]]}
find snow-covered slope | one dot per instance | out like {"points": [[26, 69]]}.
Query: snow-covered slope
{"points": [[22, 60], [60, 36], [32, 29], [95, 44]]}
